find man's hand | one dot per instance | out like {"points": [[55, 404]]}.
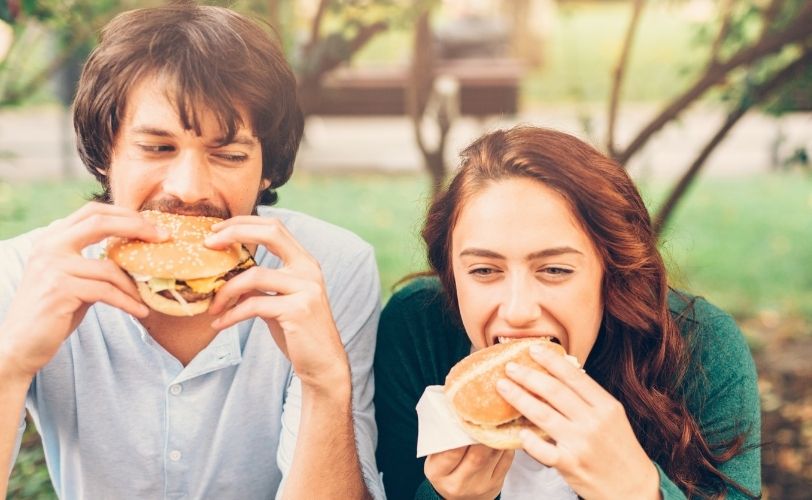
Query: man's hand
{"points": [[59, 285], [470, 472], [292, 300]]}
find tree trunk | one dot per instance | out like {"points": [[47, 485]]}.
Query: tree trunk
{"points": [[421, 81]]}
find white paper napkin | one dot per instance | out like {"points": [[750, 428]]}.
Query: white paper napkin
{"points": [[437, 426]]}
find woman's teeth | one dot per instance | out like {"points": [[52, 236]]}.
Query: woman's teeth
{"points": [[505, 340]]}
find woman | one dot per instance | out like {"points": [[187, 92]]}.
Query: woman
{"points": [[539, 234]]}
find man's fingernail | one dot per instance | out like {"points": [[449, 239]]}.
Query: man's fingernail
{"points": [[163, 233], [512, 368], [537, 350]]}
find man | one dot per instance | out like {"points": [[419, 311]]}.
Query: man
{"points": [[191, 110]]}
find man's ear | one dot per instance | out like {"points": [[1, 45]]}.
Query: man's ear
{"points": [[265, 184]]}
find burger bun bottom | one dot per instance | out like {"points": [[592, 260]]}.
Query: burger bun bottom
{"points": [[503, 437], [171, 307]]}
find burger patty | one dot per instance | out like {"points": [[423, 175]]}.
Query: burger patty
{"points": [[190, 295], [187, 293]]}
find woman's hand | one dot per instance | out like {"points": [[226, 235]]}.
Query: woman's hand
{"points": [[595, 448], [292, 300], [470, 472]]}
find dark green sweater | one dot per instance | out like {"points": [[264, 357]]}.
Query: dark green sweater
{"points": [[419, 341]]}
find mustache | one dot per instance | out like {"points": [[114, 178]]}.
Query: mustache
{"points": [[176, 206]]}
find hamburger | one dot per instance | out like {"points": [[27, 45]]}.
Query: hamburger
{"points": [[470, 388], [178, 276]]}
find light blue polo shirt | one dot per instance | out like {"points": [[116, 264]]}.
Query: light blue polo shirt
{"points": [[121, 418]]}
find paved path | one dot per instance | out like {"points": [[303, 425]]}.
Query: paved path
{"points": [[31, 144]]}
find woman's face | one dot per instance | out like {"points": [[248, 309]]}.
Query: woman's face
{"points": [[524, 267]]}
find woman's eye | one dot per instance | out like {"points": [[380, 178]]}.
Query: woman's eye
{"points": [[556, 272], [482, 271]]}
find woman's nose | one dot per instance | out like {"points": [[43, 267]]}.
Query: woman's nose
{"points": [[521, 305]]}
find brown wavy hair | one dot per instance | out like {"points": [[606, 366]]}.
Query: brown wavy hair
{"points": [[640, 357], [215, 58]]}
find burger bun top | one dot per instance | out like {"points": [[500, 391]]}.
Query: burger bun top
{"points": [[470, 386], [182, 257]]}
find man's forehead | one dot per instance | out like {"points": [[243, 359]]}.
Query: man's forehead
{"points": [[155, 100]]}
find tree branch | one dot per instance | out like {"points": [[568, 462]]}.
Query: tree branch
{"points": [[620, 72], [315, 26], [726, 11], [758, 94], [770, 13], [796, 31]]}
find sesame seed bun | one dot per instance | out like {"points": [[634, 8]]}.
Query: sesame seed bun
{"points": [[180, 276], [470, 387], [181, 257]]}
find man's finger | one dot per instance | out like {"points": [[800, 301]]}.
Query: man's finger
{"points": [[91, 291], [270, 233], [101, 270], [256, 279], [97, 227]]}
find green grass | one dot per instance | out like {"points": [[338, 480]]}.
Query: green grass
{"points": [[741, 243]]}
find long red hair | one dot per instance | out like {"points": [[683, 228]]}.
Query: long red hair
{"points": [[640, 356]]}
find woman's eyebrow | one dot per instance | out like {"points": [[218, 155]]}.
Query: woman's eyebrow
{"points": [[547, 252]]}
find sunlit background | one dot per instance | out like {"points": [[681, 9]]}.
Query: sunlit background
{"points": [[707, 103]]}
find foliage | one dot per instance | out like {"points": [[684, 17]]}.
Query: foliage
{"points": [[48, 36], [755, 52], [747, 22]]}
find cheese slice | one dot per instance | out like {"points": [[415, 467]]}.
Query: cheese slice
{"points": [[205, 285], [161, 284]]}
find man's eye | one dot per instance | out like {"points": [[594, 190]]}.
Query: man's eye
{"points": [[232, 157], [156, 148]]}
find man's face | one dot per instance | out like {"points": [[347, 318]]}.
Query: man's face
{"points": [[157, 164]]}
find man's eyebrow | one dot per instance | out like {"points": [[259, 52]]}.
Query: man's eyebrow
{"points": [[147, 130], [547, 252], [245, 140]]}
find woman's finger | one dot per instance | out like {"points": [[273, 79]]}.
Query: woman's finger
{"points": [[577, 380], [545, 452], [444, 463], [554, 392], [502, 466], [540, 413]]}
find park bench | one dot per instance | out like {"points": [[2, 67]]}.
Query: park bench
{"points": [[486, 87]]}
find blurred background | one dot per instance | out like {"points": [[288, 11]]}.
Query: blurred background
{"points": [[707, 103]]}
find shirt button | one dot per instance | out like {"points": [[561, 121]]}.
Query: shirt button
{"points": [[175, 389], [175, 455]]}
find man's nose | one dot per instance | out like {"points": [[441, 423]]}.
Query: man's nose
{"points": [[188, 178], [521, 304]]}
